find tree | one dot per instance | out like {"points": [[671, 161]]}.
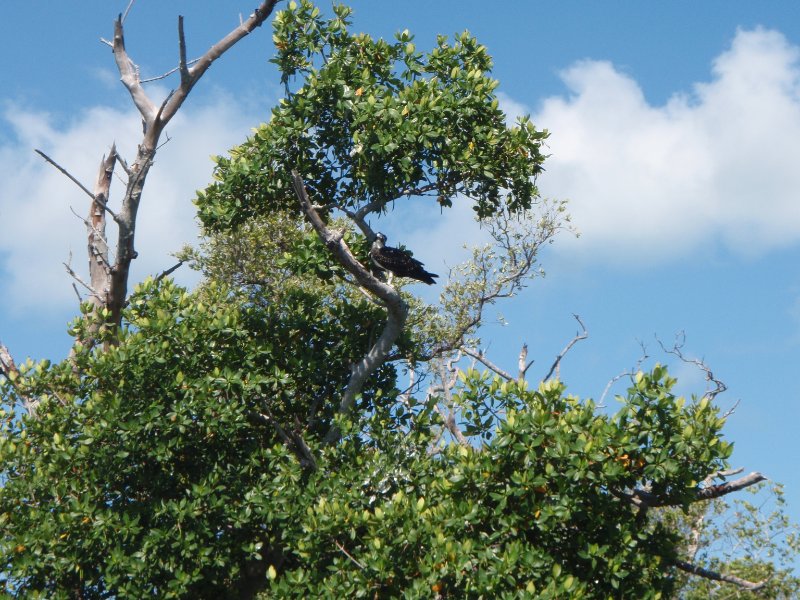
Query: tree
{"points": [[254, 436]]}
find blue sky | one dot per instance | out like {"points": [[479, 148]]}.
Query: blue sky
{"points": [[675, 136]]}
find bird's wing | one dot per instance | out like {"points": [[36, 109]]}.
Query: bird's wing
{"points": [[396, 257]]}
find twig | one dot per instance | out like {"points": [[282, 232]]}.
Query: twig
{"points": [[715, 491], [78, 278], [680, 340], [348, 555], [582, 335], [731, 410], [479, 356], [169, 271], [643, 498], [127, 10], [629, 373], [170, 72], [449, 419], [65, 172]]}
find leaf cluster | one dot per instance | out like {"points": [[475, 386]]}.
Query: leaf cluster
{"points": [[149, 467], [371, 121]]}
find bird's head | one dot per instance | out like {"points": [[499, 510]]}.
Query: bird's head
{"points": [[380, 239]]}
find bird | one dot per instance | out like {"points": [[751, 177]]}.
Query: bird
{"points": [[398, 261]]}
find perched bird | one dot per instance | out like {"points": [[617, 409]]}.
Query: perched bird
{"points": [[399, 262]]}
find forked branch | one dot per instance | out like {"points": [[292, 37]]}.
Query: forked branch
{"points": [[581, 335], [110, 282]]}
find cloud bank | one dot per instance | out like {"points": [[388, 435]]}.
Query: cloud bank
{"points": [[716, 167], [38, 231], [712, 168]]}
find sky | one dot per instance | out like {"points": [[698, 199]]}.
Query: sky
{"points": [[675, 136]]}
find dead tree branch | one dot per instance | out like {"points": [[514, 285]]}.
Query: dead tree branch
{"points": [[8, 368], [111, 281], [65, 172], [170, 271], [677, 350], [715, 491], [714, 576], [522, 362], [449, 418], [629, 373], [581, 335], [644, 499], [396, 308], [481, 357], [293, 440]]}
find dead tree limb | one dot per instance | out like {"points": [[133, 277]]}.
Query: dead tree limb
{"points": [[109, 283], [581, 335], [9, 370], [65, 172], [396, 308], [713, 575], [677, 350], [645, 499], [447, 387], [481, 357], [154, 120]]}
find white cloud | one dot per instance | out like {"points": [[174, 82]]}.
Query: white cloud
{"points": [[714, 166], [37, 228]]}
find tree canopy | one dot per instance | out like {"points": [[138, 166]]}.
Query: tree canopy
{"points": [[301, 426]]}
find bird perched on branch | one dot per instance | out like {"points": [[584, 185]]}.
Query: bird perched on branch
{"points": [[398, 261]]}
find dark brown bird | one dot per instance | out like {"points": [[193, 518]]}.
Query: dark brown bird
{"points": [[398, 261]]}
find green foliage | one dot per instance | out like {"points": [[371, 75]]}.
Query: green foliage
{"points": [[147, 469], [372, 121], [148, 475], [172, 462]]}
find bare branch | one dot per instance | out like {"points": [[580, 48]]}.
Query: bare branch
{"points": [[450, 418], [731, 410], [629, 373], [450, 425], [713, 575], [8, 368], [396, 308], [715, 491], [522, 364], [645, 499], [292, 439], [722, 475], [154, 118], [348, 555], [581, 335], [696, 529], [185, 77], [129, 74], [127, 10], [169, 271], [65, 172], [78, 278], [168, 73], [479, 356], [255, 20], [677, 347]]}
